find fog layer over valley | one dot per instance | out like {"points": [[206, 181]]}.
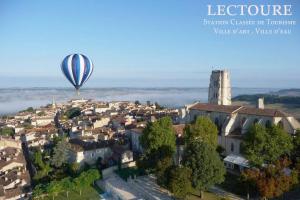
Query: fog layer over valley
{"points": [[15, 99]]}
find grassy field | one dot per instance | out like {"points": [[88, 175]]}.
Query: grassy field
{"points": [[89, 193]]}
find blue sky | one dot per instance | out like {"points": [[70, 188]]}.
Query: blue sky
{"points": [[136, 43]]}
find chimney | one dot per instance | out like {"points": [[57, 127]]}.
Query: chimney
{"points": [[260, 103]]}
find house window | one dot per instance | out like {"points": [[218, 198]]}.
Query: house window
{"points": [[232, 147]]}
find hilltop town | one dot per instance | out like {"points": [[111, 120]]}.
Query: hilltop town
{"points": [[43, 148]]}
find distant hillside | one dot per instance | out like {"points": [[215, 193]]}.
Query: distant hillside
{"points": [[288, 92], [285, 100], [270, 99]]}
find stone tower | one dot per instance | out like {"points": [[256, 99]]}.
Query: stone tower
{"points": [[219, 88], [53, 103]]}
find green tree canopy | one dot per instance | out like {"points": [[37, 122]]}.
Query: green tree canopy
{"points": [[39, 190], [53, 188], [266, 145], [296, 150], [73, 112], [92, 175], [202, 130], [7, 131], [38, 159], [204, 161], [60, 154], [81, 181], [29, 109], [179, 182], [161, 170], [158, 134], [159, 143]]}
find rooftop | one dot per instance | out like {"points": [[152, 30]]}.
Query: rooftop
{"points": [[239, 109]]}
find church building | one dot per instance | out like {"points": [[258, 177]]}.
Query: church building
{"points": [[233, 121]]}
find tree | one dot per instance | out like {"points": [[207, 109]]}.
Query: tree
{"points": [[179, 182], [159, 143], [158, 134], [74, 168], [38, 159], [92, 175], [43, 172], [43, 169], [81, 181], [220, 150], [202, 130], [42, 113], [161, 170], [67, 185], [38, 191], [272, 180], [204, 161], [7, 131], [296, 151], [158, 106], [60, 154], [29, 109], [53, 188], [73, 112], [266, 145]]}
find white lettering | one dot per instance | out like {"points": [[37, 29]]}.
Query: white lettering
{"points": [[287, 10], [250, 10]]}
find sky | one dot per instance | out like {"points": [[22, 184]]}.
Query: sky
{"points": [[134, 43]]}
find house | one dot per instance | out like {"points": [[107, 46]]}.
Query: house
{"points": [[14, 177], [42, 121], [122, 154], [103, 121], [135, 139], [38, 137], [89, 152], [102, 108]]}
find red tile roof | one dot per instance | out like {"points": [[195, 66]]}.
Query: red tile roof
{"points": [[215, 108], [239, 109]]}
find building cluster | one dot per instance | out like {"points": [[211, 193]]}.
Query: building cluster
{"points": [[107, 133], [103, 129], [14, 176], [98, 132], [234, 121]]}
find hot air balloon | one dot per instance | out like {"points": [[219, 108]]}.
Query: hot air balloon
{"points": [[77, 68]]}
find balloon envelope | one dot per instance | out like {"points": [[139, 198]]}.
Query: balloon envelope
{"points": [[77, 68]]}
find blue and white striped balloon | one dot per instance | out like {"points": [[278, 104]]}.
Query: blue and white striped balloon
{"points": [[77, 68]]}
